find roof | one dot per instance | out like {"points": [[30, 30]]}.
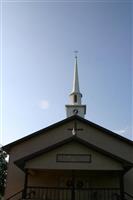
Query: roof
{"points": [[21, 162], [74, 117]]}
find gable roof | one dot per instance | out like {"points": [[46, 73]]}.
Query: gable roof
{"points": [[74, 117], [21, 162]]}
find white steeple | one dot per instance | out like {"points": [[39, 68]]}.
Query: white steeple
{"points": [[75, 96], [75, 107], [76, 79]]}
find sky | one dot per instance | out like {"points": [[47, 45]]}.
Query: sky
{"points": [[38, 40]]}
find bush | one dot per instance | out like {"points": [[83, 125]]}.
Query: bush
{"points": [[3, 171]]}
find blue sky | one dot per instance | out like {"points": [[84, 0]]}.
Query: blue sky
{"points": [[38, 40]]}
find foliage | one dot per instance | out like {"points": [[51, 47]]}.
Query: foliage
{"points": [[3, 171]]}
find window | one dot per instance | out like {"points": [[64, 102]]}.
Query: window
{"points": [[75, 98]]}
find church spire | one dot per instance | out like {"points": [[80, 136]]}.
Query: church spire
{"points": [[75, 96], [76, 79], [75, 107]]}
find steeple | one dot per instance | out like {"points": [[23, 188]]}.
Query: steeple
{"points": [[76, 79], [75, 107], [75, 96]]}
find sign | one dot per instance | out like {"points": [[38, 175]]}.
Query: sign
{"points": [[73, 158]]}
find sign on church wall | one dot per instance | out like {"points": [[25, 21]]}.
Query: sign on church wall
{"points": [[73, 158]]}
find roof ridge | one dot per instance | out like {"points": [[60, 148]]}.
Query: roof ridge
{"points": [[74, 117]]}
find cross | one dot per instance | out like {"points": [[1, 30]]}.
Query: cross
{"points": [[75, 129], [76, 53]]}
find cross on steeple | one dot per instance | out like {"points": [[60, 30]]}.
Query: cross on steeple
{"points": [[76, 53]]}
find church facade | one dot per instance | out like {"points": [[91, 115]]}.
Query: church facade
{"points": [[73, 159]]}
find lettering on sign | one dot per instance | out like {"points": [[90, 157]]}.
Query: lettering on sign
{"points": [[73, 158]]}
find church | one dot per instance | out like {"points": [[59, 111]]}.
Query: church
{"points": [[73, 159]]}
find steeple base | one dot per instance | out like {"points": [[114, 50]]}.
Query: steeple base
{"points": [[79, 110]]}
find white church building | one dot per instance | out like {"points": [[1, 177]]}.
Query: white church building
{"points": [[73, 159]]}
